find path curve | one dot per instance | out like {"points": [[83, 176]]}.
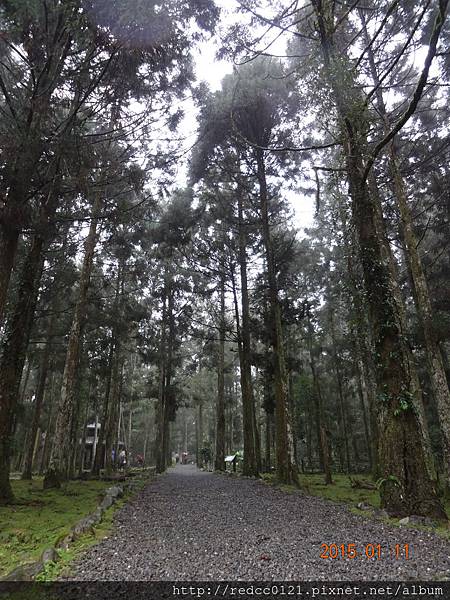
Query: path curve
{"points": [[191, 525]]}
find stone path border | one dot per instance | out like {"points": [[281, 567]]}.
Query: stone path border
{"points": [[29, 571]]}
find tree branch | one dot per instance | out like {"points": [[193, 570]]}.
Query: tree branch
{"points": [[438, 24]]}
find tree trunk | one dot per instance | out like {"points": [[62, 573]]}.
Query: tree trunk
{"points": [[161, 409], [113, 405], [322, 435], [343, 408], [407, 486], [267, 455], [13, 357], [250, 464], [113, 413], [170, 400], [9, 241], [84, 425], [252, 450], [100, 457], [435, 363], [285, 453], [58, 470], [48, 401], [219, 460], [364, 354], [362, 395], [131, 405], [39, 399]]}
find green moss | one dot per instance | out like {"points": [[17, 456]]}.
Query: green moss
{"points": [[40, 518], [341, 491], [53, 570]]}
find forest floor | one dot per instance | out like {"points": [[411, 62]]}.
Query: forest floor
{"points": [[40, 517], [193, 525]]}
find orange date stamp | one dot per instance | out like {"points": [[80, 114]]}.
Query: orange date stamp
{"points": [[368, 551]]}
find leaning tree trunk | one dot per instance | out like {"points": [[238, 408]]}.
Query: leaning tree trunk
{"points": [[406, 486], [58, 469], [285, 453]]}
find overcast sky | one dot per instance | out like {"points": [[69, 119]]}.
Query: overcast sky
{"points": [[212, 71]]}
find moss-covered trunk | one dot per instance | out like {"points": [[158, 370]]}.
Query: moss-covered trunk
{"points": [[406, 486]]}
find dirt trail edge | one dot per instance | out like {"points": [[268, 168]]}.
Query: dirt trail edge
{"points": [[191, 525]]}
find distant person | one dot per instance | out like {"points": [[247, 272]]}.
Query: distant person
{"points": [[177, 458], [140, 460], [122, 459]]}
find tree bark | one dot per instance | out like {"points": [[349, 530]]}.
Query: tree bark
{"points": [[219, 459], [343, 408], [113, 412], [406, 486], [170, 400], [435, 363], [9, 241], [161, 409], [99, 456], [39, 399], [58, 470], [322, 435], [252, 450], [364, 354], [113, 404], [13, 357], [285, 454]]}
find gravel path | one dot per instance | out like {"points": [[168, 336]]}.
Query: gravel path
{"points": [[190, 525]]}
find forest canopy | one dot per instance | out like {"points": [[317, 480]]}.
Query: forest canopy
{"points": [[160, 294]]}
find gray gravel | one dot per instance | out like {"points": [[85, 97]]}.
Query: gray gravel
{"points": [[190, 525]]}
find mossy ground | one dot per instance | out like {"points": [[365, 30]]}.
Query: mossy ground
{"points": [[53, 570], [39, 518], [342, 491]]}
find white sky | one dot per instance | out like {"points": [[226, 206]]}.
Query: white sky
{"points": [[211, 70]]}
